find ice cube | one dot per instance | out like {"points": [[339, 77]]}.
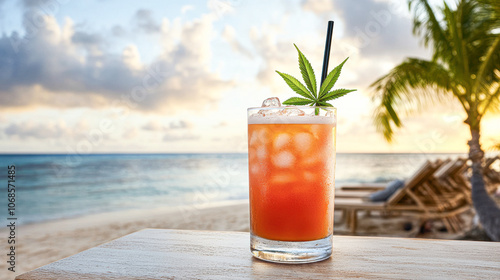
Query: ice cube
{"points": [[291, 111], [254, 138], [259, 137], [254, 169], [303, 142], [284, 159], [316, 131], [308, 176], [263, 136], [261, 152], [269, 112], [271, 102], [311, 160], [283, 178], [281, 141]]}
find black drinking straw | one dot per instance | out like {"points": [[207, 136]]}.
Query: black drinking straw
{"points": [[328, 44]]}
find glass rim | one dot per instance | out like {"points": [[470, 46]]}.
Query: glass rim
{"points": [[328, 108]]}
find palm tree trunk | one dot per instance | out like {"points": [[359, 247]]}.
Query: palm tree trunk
{"points": [[486, 208]]}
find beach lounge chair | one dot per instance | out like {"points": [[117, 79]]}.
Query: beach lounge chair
{"points": [[364, 191], [351, 206], [446, 196], [363, 194], [372, 193], [460, 178], [371, 187], [420, 196], [451, 178]]}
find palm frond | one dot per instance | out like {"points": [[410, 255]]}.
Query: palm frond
{"points": [[426, 25], [453, 27], [465, 45], [495, 147], [490, 10], [492, 102], [415, 82], [489, 60]]}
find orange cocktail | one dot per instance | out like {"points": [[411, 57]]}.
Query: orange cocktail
{"points": [[291, 172]]}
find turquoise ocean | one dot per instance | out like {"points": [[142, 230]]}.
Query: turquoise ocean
{"points": [[50, 187]]}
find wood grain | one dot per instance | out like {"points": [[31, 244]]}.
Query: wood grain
{"points": [[183, 254]]}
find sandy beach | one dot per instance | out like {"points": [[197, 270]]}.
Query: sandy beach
{"points": [[42, 243]]}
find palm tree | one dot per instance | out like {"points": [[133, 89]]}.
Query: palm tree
{"points": [[465, 64], [496, 147]]}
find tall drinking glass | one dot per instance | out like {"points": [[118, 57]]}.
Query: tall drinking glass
{"points": [[291, 153]]}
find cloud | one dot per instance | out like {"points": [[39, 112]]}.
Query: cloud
{"points": [[220, 8], [175, 137], [43, 130], [130, 133], [220, 124], [33, 3], [274, 54], [174, 131], [51, 60], [228, 34], [376, 36], [56, 66], [118, 31], [377, 28], [317, 6], [145, 22], [154, 125], [86, 39], [180, 124], [186, 8], [132, 58], [2, 12]]}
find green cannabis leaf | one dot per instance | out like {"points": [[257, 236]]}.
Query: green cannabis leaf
{"points": [[309, 92]]}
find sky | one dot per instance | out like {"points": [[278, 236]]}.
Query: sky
{"points": [[106, 76]]}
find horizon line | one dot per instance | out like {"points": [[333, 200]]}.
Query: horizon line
{"points": [[199, 153]]}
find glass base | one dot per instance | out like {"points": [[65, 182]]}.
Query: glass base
{"points": [[291, 251]]}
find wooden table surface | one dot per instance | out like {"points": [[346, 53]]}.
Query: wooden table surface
{"points": [[184, 254]]}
